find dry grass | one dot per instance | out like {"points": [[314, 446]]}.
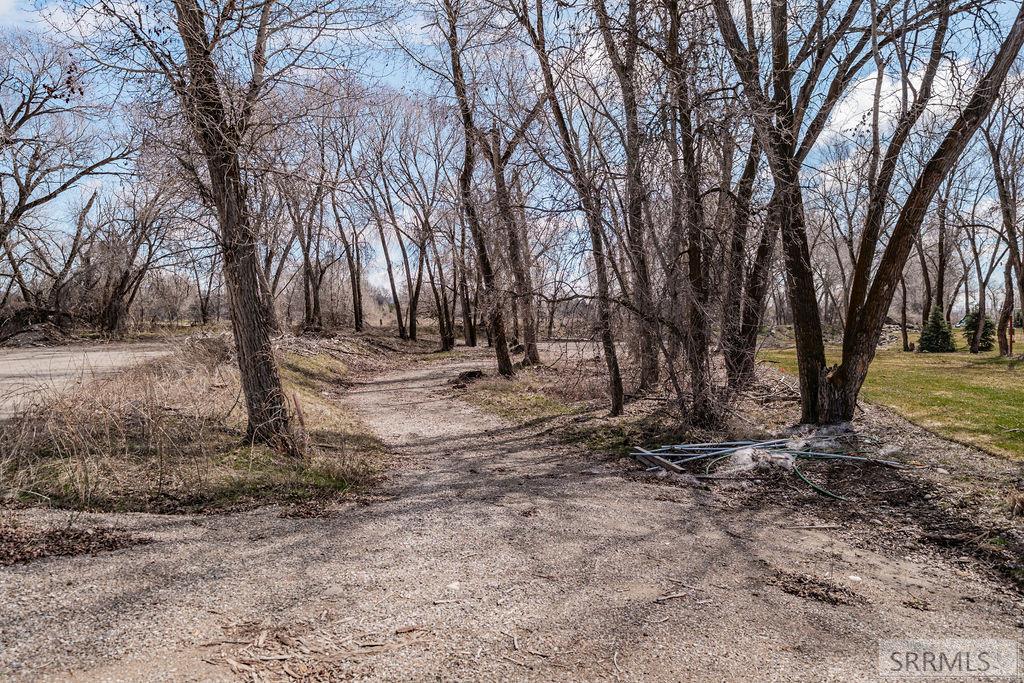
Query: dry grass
{"points": [[571, 380], [570, 395], [168, 436], [533, 393]]}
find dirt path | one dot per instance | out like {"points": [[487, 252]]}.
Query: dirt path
{"points": [[489, 555], [27, 372]]}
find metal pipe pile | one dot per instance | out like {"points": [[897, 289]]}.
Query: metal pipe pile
{"points": [[677, 457]]}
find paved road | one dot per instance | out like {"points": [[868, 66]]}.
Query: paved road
{"points": [[25, 373]]}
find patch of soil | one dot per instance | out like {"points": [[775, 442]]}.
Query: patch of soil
{"points": [[40, 334], [886, 509], [310, 509], [320, 649], [959, 502], [899, 509], [814, 588], [956, 501], [20, 544], [34, 327]]}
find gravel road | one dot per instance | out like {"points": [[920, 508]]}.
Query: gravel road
{"points": [[490, 554], [29, 372]]}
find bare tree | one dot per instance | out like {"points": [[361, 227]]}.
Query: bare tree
{"points": [[829, 394], [50, 141], [220, 60]]}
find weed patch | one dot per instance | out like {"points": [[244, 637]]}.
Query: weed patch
{"points": [[168, 436]]}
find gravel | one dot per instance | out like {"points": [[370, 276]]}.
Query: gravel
{"points": [[486, 555]]}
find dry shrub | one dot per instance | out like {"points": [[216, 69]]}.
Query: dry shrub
{"points": [[575, 373], [166, 435]]}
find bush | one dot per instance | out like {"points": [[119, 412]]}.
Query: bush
{"points": [[987, 332], [937, 336]]}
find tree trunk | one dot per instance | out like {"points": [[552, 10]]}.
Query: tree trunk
{"points": [[616, 395], [354, 284], [810, 347], [440, 307], [414, 293], [468, 323], [261, 383], [468, 318], [496, 326], [903, 315], [357, 293], [523, 316], [391, 281], [943, 260], [841, 385], [445, 320], [927, 280], [704, 399], [754, 297], [737, 370], [352, 259], [1006, 312], [269, 420], [623, 64], [591, 209]]}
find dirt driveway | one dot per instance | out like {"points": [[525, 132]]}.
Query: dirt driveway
{"points": [[490, 554], [27, 372]]}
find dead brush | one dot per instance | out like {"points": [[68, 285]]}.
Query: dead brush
{"points": [[578, 386], [164, 435], [147, 430], [1015, 504]]}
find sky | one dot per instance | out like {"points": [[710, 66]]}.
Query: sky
{"points": [[13, 12], [22, 14], [399, 73]]}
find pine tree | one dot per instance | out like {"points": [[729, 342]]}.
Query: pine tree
{"points": [[937, 336], [987, 332]]}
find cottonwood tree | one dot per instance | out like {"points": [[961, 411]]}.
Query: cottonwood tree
{"points": [[581, 174], [51, 140], [338, 137], [421, 164], [1004, 141], [220, 61], [620, 35], [843, 40], [135, 231], [374, 185], [460, 27]]}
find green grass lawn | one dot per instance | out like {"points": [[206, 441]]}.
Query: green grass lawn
{"points": [[974, 399]]}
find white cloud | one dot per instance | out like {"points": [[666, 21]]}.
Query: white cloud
{"points": [[854, 110], [12, 11]]}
